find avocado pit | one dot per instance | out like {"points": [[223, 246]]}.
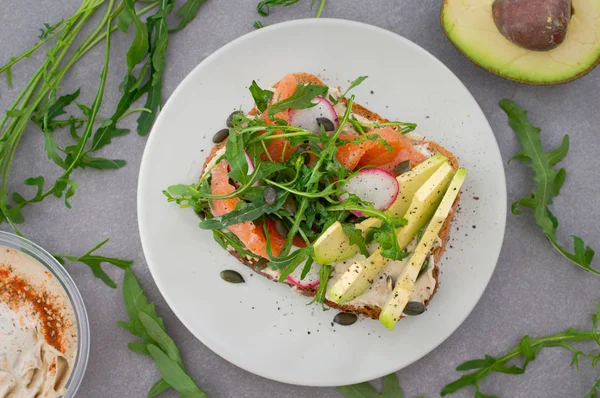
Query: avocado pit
{"points": [[537, 25]]}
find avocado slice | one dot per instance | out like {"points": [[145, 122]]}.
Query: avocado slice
{"points": [[392, 310], [334, 245], [357, 279], [470, 26], [411, 181]]}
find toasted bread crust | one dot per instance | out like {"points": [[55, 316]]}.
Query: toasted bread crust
{"points": [[365, 310]]}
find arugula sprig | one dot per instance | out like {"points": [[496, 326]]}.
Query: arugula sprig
{"points": [[95, 261], [39, 100], [145, 323], [264, 7], [391, 389], [548, 180], [527, 350]]}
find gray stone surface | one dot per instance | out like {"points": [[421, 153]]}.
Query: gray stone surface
{"points": [[533, 291]]}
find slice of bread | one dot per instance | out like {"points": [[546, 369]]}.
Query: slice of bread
{"points": [[365, 310]]}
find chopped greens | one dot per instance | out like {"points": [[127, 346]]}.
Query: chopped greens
{"points": [[548, 180], [295, 182]]}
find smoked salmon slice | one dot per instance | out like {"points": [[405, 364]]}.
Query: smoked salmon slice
{"points": [[373, 153]]}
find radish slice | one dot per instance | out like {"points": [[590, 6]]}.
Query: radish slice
{"points": [[250, 163], [373, 185], [307, 118], [311, 280], [250, 166]]}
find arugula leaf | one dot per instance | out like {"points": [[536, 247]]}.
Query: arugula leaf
{"points": [[161, 39], [356, 82], [157, 333], [145, 323], [386, 237], [49, 29], [356, 238], [158, 387], [301, 99], [595, 391], [264, 7], [249, 212], [101, 163], [527, 349], [54, 107], [226, 238], [187, 12], [124, 19], [288, 264], [51, 149], [391, 389], [262, 98], [153, 103], [236, 158], [95, 263], [548, 182], [139, 347], [139, 47], [324, 274], [174, 375]]}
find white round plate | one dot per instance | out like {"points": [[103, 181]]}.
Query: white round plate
{"points": [[262, 326]]}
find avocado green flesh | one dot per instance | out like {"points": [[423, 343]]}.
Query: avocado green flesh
{"points": [[411, 181], [470, 26], [357, 279], [392, 311], [334, 245]]}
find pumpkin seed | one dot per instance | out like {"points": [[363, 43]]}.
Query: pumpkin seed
{"points": [[390, 283], [414, 308], [352, 219], [270, 195], [261, 264], [232, 276], [325, 123], [229, 121], [220, 136], [402, 167], [345, 319], [290, 205], [281, 228]]}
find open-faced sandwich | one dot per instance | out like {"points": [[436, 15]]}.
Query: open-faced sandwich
{"points": [[316, 191]]}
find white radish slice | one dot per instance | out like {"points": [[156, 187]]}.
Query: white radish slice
{"points": [[311, 280], [250, 163], [373, 185], [307, 118], [250, 167]]}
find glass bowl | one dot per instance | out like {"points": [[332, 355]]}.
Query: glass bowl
{"points": [[83, 327]]}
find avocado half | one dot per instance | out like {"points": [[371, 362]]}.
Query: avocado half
{"points": [[470, 26]]}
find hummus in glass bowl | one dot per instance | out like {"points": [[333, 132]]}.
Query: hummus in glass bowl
{"points": [[44, 331]]}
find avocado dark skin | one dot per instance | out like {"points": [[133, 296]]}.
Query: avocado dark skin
{"points": [[537, 25]]}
